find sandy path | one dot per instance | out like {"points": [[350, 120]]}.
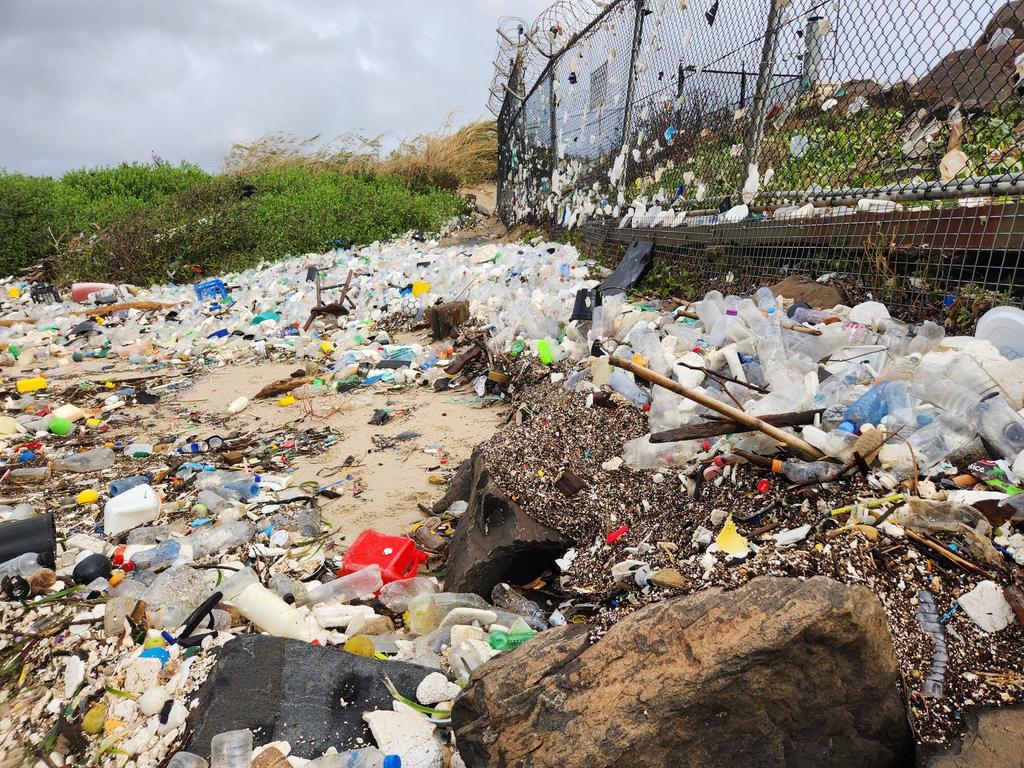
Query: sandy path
{"points": [[381, 488]]}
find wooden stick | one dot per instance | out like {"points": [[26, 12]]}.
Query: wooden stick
{"points": [[795, 444], [967, 564], [714, 427]]}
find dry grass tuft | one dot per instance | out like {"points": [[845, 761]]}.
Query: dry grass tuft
{"points": [[446, 159]]}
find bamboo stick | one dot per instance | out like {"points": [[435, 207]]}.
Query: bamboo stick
{"points": [[793, 443], [714, 427]]}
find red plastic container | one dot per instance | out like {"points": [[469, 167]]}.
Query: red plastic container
{"points": [[397, 556]]}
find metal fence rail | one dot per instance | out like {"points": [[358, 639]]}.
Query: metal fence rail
{"points": [[878, 139]]}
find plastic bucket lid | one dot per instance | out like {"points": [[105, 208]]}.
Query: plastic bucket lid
{"points": [[1004, 327]]}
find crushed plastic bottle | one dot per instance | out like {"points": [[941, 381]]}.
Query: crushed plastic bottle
{"points": [[88, 461]]}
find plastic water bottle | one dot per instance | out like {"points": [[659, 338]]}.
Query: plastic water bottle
{"points": [[88, 461], [25, 566], [1001, 426], [426, 612], [870, 407], [164, 553], [623, 383], [807, 471], [766, 300], [397, 595], [928, 618], [126, 484], [209, 541], [345, 588], [232, 749]]}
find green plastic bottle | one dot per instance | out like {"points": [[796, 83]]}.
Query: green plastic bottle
{"points": [[506, 641], [544, 352], [517, 347]]}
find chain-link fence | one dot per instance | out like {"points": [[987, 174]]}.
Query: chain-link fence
{"points": [[876, 139]]}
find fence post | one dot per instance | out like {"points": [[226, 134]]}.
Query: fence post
{"points": [[552, 68], [638, 33], [764, 81]]}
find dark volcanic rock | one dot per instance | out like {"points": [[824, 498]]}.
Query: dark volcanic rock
{"points": [[778, 672], [286, 690], [496, 540]]}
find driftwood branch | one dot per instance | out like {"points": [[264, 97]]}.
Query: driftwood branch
{"points": [[714, 427], [795, 444]]}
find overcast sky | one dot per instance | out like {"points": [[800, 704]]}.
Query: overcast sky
{"points": [[98, 82]]}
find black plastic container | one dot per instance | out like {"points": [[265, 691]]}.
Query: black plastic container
{"points": [[36, 534]]}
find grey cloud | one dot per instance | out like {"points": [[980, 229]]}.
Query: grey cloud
{"points": [[105, 81]]}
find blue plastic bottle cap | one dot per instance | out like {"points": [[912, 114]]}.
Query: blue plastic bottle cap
{"points": [[848, 426], [392, 761]]}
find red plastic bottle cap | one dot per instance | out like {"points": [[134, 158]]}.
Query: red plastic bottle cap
{"points": [[128, 567], [614, 536], [118, 558], [706, 444], [718, 461], [647, 407], [763, 486]]}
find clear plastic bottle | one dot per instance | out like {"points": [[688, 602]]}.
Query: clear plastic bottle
{"points": [[232, 749], [187, 760], [641, 453], [25, 566], [899, 404], [163, 553], [367, 757], [503, 596], [807, 471], [348, 587], [765, 299], [88, 461], [647, 343], [623, 383], [1001, 426], [397, 595], [209, 541], [28, 475], [814, 316], [928, 618], [932, 443], [426, 612], [172, 596]]}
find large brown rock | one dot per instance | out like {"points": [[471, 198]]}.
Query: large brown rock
{"points": [[994, 739], [495, 539], [780, 672], [818, 295], [978, 79]]}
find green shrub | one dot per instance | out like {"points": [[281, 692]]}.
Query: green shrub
{"points": [[37, 214], [226, 223]]}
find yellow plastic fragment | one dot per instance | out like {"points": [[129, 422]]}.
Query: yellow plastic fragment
{"points": [[730, 541]]}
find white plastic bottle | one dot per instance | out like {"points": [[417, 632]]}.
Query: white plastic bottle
{"points": [[130, 509], [238, 405], [348, 587], [265, 609]]}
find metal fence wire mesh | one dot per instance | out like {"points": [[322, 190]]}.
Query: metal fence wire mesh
{"points": [[877, 140]]}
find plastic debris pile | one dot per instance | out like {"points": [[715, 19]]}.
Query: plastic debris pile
{"points": [[903, 471], [129, 556]]}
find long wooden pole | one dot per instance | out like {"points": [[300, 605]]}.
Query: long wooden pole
{"points": [[793, 443]]}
